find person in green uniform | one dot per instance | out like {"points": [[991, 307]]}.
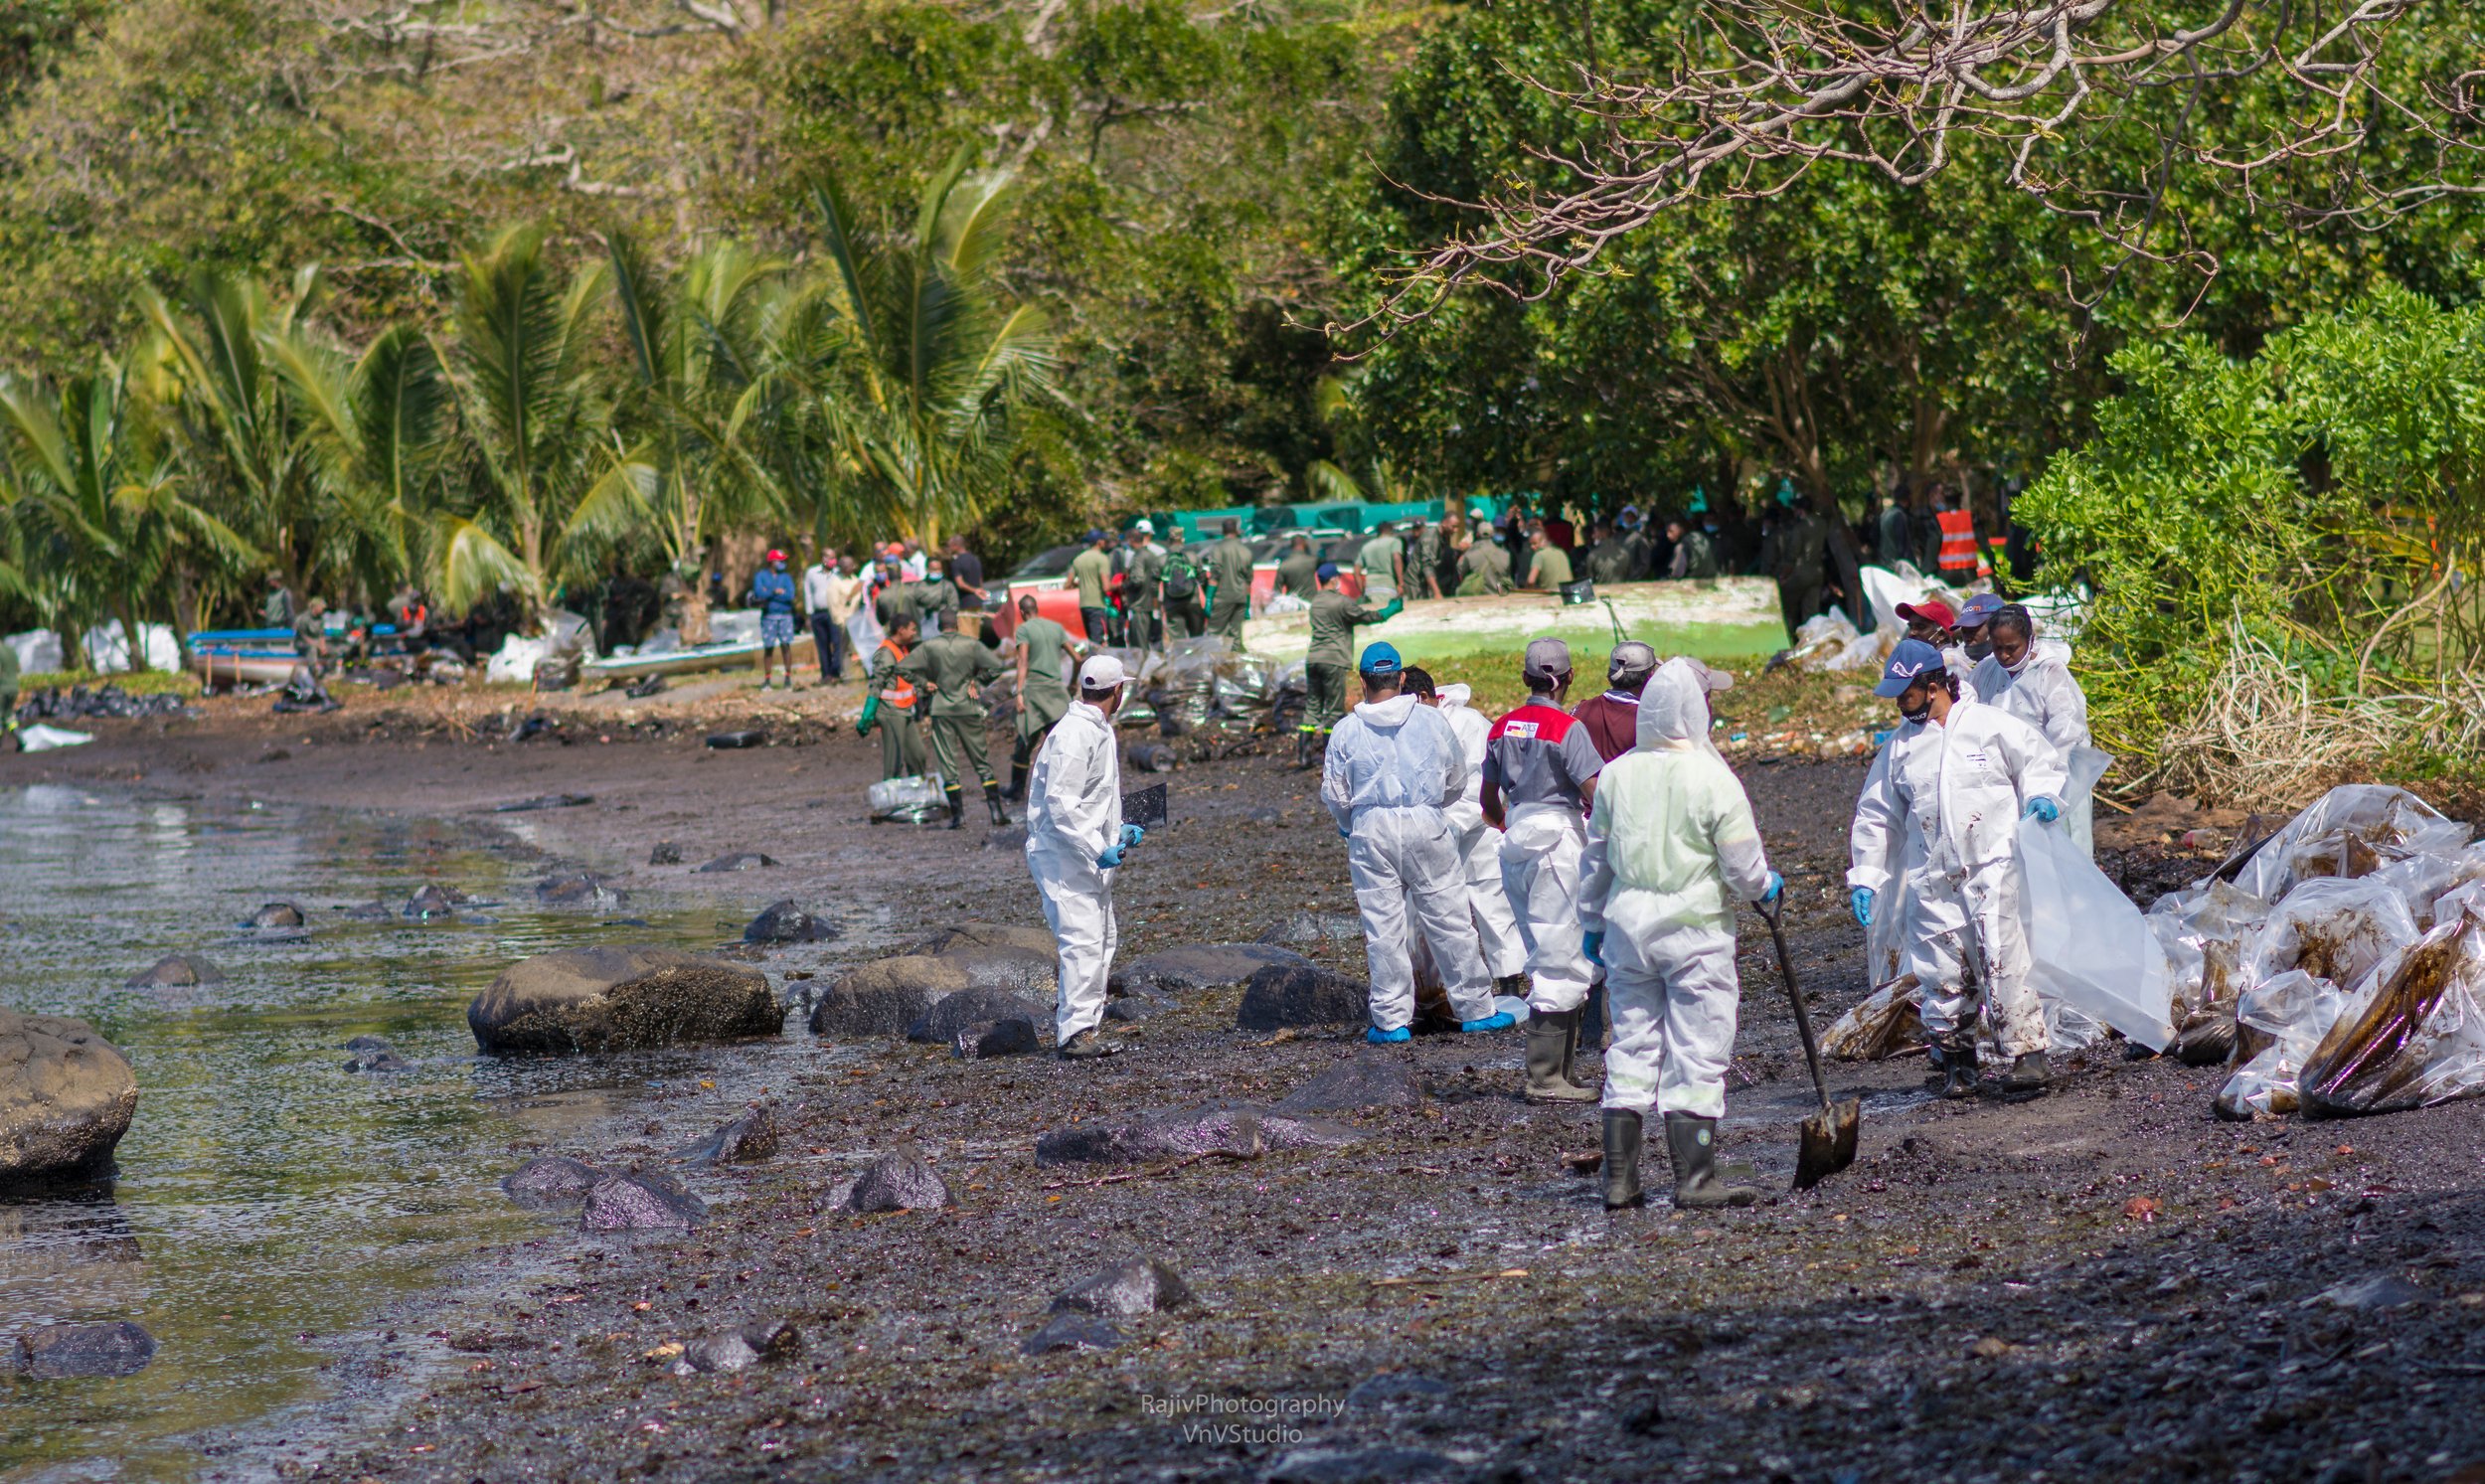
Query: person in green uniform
{"points": [[897, 602], [310, 638], [1695, 554], [889, 703], [1143, 606], [1230, 567], [278, 607], [1088, 571], [1381, 558], [1608, 557], [1043, 654], [1550, 566], [1484, 567], [948, 667], [1424, 559], [936, 598], [1299, 575], [1334, 619], [1185, 615]]}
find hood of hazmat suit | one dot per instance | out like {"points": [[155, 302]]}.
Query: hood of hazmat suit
{"points": [[1671, 842]]}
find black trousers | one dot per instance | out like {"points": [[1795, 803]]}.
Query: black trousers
{"points": [[828, 636]]}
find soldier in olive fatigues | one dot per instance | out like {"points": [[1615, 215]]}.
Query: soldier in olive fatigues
{"points": [[1334, 619], [1044, 656], [1143, 606], [1299, 575], [1230, 567], [950, 666], [890, 706], [1486, 565]]}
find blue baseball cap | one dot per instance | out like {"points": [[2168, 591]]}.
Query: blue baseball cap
{"points": [[1328, 571], [1380, 659], [1979, 610], [1910, 659]]}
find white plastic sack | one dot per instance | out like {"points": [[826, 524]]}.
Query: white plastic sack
{"points": [[734, 626], [1885, 588], [2090, 947], [516, 660], [2086, 765], [915, 798], [38, 651], [2331, 928], [1283, 602], [2374, 812], [567, 635], [2295, 1010], [107, 648], [42, 739]]}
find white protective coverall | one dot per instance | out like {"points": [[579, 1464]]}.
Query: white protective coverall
{"points": [[1940, 810], [1479, 843], [1671, 848], [1074, 815], [2042, 693], [1394, 767]]}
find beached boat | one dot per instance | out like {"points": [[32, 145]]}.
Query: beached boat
{"points": [[744, 652]]}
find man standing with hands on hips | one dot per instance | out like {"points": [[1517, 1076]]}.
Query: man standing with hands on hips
{"points": [[1075, 841]]}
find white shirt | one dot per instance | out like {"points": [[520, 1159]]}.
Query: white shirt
{"points": [[815, 588]]}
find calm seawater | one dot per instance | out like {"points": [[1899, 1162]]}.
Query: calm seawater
{"points": [[269, 1204]]}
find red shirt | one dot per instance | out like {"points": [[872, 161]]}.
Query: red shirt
{"points": [[1611, 722]]}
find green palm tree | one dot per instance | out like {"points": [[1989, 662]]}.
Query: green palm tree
{"points": [[698, 345], [377, 427], [921, 370], [546, 475], [96, 512]]}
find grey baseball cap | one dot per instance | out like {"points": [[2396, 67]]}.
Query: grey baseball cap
{"points": [[1547, 659], [1630, 664]]}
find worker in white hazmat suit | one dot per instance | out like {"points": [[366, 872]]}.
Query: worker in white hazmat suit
{"points": [[2035, 685], [1671, 848], [1940, 810], [1539, 771], [1393, 768], [1074, 840], [1479, 845]]}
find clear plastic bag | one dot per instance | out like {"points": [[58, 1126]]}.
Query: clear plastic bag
{"points": [[1883, 1024], [2374, 813], [907, 801], [2088, 947], [2331, 928], [2423, 878], [2411, 1038], [2290, 1013]]}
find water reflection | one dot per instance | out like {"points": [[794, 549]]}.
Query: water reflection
{"points": [[269, 1201]]}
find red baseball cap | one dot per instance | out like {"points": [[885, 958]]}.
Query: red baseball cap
{"points": [[1931, 610], [775, 556]]}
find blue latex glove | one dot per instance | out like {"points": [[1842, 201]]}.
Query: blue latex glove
{"points": [[1775, 889], [1131, 835], [1860, 899], [2043, 808], [1593, 944], [1110, 859]]}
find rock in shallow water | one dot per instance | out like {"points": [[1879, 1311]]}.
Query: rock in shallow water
{"points": [[1142, 1285], [789, 922], [1204, 967], [1302, 994], [895, 1182], [175, 971], [52, 1352], [276, 915], [640, 1203], [747, 1139], [552, 1182], [886, 997], [66, 1096], [1368, 1079], [371, 1054], [435, 901], [1241, 1129], [1073, 1332], [580, 888], [740, 860], [995, 1038], [621, 997], [740, 1348]]}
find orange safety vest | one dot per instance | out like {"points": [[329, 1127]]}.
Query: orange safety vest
{"points": [[1958, 540], [900, 692]]}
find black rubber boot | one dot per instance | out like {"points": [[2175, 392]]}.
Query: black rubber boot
{"points": [[1958, 1067], [1550, 1035], [1622, 1140], [992, 801], [957, 806], [2029, 1075], [1692, 1141], [1016, 793]]}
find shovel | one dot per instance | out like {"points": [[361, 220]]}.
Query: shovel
{"points": [[1828, 1136]]}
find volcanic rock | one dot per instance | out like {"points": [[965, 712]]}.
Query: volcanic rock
{"points": [[995, 1038], [789, 922], [552, 1182], [580, 888], [66, 1096], [1367, 1081], [747, 1139], [1210, 966], [740, 860], [1301, 994], [967, 1007], [619, 997], [175, 971], [1141, 1285], [897, 1181], [1241, 1129], [52, 1352], [640, 1203]]}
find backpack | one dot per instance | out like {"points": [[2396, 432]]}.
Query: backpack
{"points": [[1181, 577]]}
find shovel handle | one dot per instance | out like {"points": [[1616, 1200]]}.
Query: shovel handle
{"points": [[1794, 992]]}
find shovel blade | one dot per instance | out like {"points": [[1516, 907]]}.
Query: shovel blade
{"points": [[1828, 1142]]}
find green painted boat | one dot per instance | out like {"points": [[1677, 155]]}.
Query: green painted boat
{"points": [[1722, 618]]}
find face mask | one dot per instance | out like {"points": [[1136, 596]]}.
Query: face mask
{"points": [[1979, 649], [1920, 713], [2025, 656]]}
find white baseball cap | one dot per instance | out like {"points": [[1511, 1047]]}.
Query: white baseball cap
{"points": [[1144, 526], [1101, 672]]}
